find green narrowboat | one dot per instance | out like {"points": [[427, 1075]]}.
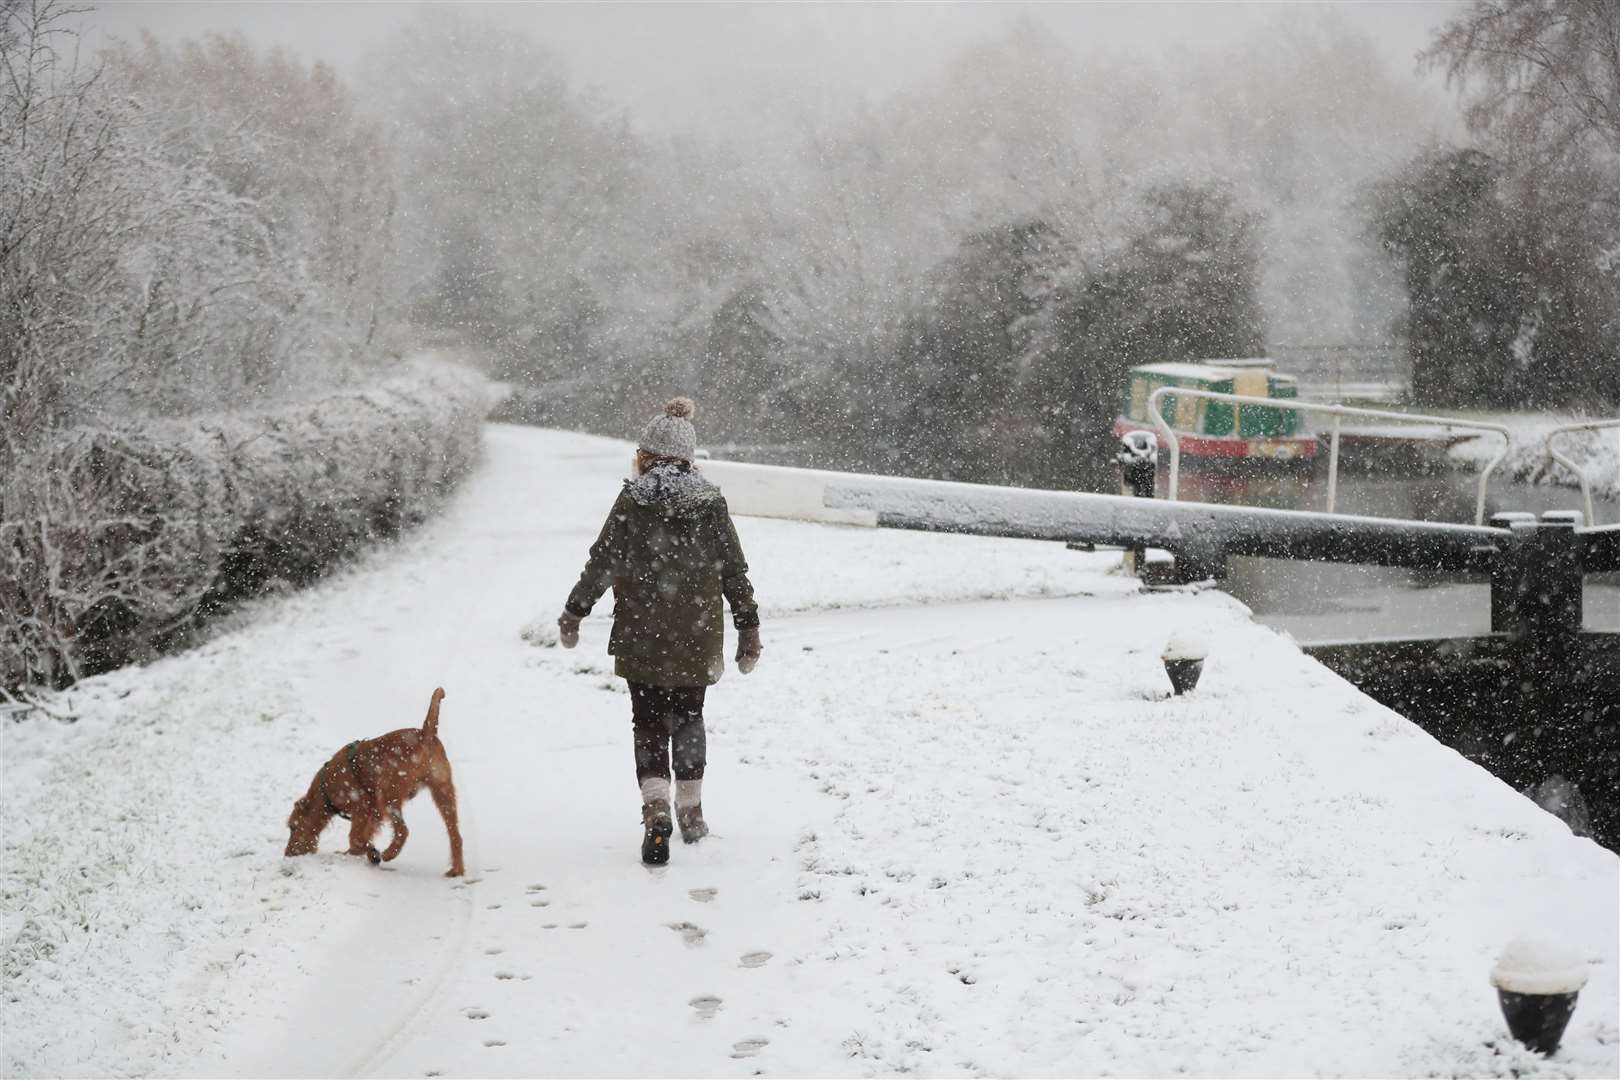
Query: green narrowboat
{"points": [[1220, 429]]}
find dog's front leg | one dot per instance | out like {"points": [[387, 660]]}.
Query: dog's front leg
{"points": [[396, 818], [362, 827]]}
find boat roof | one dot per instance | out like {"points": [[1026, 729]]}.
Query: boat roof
{"points": [[1206, 369]]}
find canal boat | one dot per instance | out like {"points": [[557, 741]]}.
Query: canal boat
{"points": [[1221, 431]]}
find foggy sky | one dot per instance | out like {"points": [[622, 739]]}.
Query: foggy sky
{"points": [[684, 66]]}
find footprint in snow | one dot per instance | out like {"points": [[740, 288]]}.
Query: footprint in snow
{"points": [[755, 959], [577, 925], [703, 896], [477, 1014], [691, 933], [494, 951], [748, 1048], [539, 903], [535, 888], [494, 1042], [706, 1005], [505, 975]]}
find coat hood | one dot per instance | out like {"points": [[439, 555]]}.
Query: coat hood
{"points": [[675, 485]]}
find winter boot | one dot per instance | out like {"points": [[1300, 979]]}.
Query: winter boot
{"points": [[689, 810], [656, 826]]}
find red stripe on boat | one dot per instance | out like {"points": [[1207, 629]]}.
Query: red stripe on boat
{"points": [[1212, 447]]}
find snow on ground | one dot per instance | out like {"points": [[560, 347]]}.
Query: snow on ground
{"points": [[957, 834]]}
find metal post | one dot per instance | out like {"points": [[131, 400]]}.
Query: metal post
{"points": [[1333, 464], [1576, 470]]}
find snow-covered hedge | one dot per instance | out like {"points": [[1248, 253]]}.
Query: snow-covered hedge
{"points": [[114, 541]]}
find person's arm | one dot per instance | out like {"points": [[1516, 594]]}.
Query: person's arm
{"points": [[739, 593], [607, 554]]}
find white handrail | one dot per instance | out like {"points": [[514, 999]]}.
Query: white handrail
{"points": [[1580, 473], [1337, 412]]}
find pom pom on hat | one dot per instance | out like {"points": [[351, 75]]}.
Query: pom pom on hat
{"points": [[680, 407]]}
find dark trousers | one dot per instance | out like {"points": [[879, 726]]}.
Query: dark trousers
{"points": [[667, 717]]}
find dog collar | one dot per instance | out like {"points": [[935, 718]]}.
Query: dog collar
{"points": [[330, 807]]}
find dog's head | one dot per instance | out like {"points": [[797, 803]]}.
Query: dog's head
{"points": [[309, 816]]}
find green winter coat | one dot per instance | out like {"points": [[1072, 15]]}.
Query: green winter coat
{"points": [[670, 553]]}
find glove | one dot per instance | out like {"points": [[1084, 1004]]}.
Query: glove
{"points": [[568, 629], [748, 649]]}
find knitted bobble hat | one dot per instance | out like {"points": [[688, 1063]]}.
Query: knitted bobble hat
{"points": [[672, 434]]}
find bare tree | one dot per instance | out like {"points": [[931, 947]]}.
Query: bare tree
{"points": [[291, 140], [1549, 69]]}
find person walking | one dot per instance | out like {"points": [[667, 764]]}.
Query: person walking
{"points": [[670, 552]]}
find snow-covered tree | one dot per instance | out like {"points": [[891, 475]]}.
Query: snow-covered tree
{"points": [[1509, 304], [1511, 247], [130, 278], [290, 140]]}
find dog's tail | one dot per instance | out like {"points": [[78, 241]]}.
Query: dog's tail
{"points": [[430, 727]]}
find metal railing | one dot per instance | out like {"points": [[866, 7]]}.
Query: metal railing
{"points": [[1580, 473], [1338, 412]]}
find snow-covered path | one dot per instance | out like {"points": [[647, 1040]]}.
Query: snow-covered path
{"points": [[959, 830]]}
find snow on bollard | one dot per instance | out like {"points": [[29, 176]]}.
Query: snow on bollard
{"points": [[1537, 982], [1138, 461], [1183, 658]]}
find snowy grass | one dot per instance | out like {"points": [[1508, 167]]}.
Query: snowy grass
{"points": [[953, 836]]}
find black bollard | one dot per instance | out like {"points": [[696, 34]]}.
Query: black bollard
{"points": [[1537, 984], [1184, 662], [1138, 460]]}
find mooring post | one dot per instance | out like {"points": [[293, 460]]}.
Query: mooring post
{"points": [[1536, 581], [1536, 603], [1550, 603]]}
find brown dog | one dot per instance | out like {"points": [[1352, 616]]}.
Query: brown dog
{"points": [[372, 779]]}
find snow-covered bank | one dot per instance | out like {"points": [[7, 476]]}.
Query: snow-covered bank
{"points": [[954, 835], [1597, 453]]}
